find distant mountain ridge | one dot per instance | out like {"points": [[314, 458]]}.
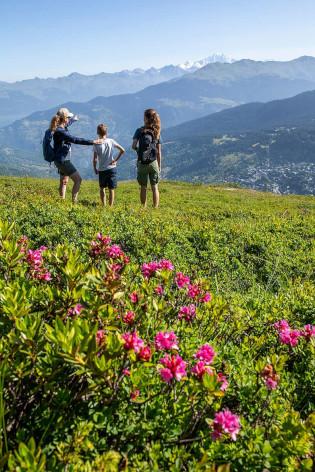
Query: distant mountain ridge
{"points": [[21, 98]]}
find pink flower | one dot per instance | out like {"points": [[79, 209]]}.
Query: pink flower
{"points": [[205, 298], [159, 290], [308, 331], [187, 312], [149, 269], [99, 246], [129, 317], [193, 291], [271, 383], [223, 380], [165, 264], [205, 353], [290, 337], [166, 341], [175, 368], [105, 240], [126, 372], [132, 341], [226, 422], [114, 251], [134, 297], [200, 368], [145, 354], [76, 310], [100, 337], [286, 334], [181, 280], [135, 394], [270, 377], [281, 325]]}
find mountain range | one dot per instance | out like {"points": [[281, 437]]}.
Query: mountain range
{"points": [[21, 98], [209, 136]]}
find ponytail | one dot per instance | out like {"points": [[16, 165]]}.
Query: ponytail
{"points": [[55, 122]]}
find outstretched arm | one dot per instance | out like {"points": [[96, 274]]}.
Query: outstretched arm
{"points": [[69, 138]]}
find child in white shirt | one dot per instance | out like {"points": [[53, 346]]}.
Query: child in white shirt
{"points": [[104, 155]]}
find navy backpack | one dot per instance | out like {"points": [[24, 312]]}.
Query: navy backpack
{"points": [[48, 146]]}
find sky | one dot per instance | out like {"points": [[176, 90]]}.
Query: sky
{"points": [[51, 38]]}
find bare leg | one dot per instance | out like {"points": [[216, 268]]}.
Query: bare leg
{"points": [[155, 195], [103, 196], [143, 195], [76, 177], [63, 186], [111, 196]]}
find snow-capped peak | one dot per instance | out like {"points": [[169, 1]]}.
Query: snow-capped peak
{"points": [[217, 57]]}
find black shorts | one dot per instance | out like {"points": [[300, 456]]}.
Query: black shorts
{"points": [[66, 168], [107, 178]]}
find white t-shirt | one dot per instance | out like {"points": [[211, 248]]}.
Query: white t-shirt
{"points": [[105, 153]]}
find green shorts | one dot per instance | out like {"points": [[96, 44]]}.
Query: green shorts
{"points": [[146, 172]]}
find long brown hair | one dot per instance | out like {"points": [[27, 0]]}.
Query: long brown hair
{"points": [[153, 122], [57, 120]]}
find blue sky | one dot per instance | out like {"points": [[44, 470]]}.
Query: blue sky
{"points": [[53, 38]]}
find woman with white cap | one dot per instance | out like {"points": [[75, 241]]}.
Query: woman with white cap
{"points": [[62, 146]]}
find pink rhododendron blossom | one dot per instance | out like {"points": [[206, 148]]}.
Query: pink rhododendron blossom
{"points": [[271, 383], [226, 422], [286, 334], [132, 341], [166, 341], [134, 298], [159, 290], [135, 394], [290, 337], [165, 264], [309, 331], [205, 353], [114, 251], [193, 291], [145, 354], [221, 378], [100, 337], [105, 240], [270, 377], [174, 368], [205, 298], [187, 312], [281, 325], [129, 317], [200, 368], [149, 269], [182, 280], [76, 310], [35, 261], [126, 372]]}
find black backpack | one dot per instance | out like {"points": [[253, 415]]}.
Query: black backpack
{"points": [[48, 148], [147, 147]]}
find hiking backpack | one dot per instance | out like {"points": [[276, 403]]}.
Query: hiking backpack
{"points": [[48, 146], [147, 148]]}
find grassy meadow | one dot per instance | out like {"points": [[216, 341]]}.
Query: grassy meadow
{"points": [[89, 379]]}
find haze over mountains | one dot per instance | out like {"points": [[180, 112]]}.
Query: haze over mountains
{"points": [[213, 137], [21, 98]]}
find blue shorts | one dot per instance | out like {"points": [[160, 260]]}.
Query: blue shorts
{"points": [[108, 178]]}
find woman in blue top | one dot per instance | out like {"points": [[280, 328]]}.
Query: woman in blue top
{"points": [[62, 146]]}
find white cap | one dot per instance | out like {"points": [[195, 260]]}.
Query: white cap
{"points": [[65, 112]]}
